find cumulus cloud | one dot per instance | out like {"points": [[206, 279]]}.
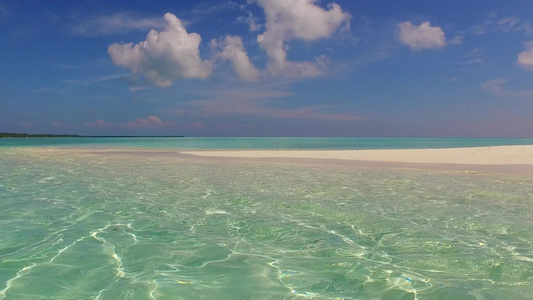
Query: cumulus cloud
{"points": [[296, 19], [164, 56], [525, 59], [420, 37], [231, 48]]}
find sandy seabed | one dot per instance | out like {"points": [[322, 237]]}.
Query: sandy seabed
{"points": [[167, 222]]}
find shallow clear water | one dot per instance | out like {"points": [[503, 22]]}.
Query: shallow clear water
{"points": [[86, 226], [263, 142]]}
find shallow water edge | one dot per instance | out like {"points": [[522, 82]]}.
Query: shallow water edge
{"points": [[81, 225]]}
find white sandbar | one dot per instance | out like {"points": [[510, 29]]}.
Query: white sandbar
{"points": [[507, 159], [496, 159], [498, 155]]}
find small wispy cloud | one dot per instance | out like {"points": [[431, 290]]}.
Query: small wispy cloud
{"points": [[210, 8], [61, 125], [4, 11], [476, 56], [496, 88], [23, 124], [264, 109], [118, 23], [456, 40], [65, 66], [132, 80], [52, 89], [45, 89], [251, 21], [98, 124], [150, 122], [260, 103], [495, 24], [99, 80], [136, 88]]}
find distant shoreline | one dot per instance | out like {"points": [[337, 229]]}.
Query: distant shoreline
{"points": [[27, 135], [46, 135]]}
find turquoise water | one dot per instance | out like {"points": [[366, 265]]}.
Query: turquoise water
{"points": [[264, 143], [82, 225]]}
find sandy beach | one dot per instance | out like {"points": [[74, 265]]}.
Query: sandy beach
{"points": [[498, 159]]}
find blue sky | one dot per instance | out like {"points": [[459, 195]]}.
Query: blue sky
{"points": [[268, 68]]}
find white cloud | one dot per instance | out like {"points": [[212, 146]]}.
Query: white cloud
{"points": [[113, 24], [231, 49], [164, 56], [296, 19], [525, 59], [423, 36]]}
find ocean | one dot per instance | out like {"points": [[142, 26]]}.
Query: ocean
{"points": [[281, 143], [95, 225]]}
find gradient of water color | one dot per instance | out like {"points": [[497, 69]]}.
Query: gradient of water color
{"points": [[76, 225], [322, 143]]}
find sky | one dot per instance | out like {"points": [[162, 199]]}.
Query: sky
{"points": [[351, 68]]}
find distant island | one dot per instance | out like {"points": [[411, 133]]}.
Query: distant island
{"points": [[27, 135]]}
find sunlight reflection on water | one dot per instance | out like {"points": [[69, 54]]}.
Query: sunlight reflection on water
{"points": [[81, 226]]}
